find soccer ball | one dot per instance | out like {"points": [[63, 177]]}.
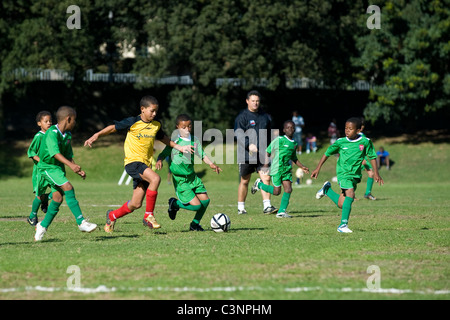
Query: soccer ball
{"points": [[220, 222], [309, 182]]}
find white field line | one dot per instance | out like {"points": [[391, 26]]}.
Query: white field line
{"points": [[104, 289]]}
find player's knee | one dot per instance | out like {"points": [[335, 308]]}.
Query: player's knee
{"points": [[134, 206]]}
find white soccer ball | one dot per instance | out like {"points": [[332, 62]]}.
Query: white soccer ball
{"points": [[220, 222], [309, 182]]}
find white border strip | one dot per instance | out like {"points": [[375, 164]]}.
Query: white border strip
{"points": [[104, 289]]}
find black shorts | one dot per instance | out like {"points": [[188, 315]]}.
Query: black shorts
{"points": [[249, 168], [134, 170]]}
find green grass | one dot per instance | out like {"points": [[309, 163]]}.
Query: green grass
{"points": [[405, 233]]}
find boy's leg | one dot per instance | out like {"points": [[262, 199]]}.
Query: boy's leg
{"points": [[346, 209], [284, 201], [52, 211], [73, 205], [34, 209], [153, 180], [332, 195], [204, 200]]}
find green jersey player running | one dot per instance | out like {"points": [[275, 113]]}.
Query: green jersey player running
{"points": [[283, 149], [352, 150], [189, 188]]}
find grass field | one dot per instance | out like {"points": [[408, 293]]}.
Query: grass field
{"points": [[405, 233]]}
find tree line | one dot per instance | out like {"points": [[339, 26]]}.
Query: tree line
{"points": [[406, 60]]}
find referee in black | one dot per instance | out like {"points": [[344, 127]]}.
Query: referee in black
{"points": [[252, 129]]}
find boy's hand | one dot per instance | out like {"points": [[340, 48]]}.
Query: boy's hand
{"points": [[91, 140], [215, 168], [82, 174], [186, 149], [378, 179], [305, 169], [159, 165], [315, 174]]}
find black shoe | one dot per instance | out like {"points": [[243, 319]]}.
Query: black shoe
{"points": [[270, 210], [34, 221], [172, 208], [195, 227]]}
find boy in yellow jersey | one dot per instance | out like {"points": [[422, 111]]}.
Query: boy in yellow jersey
{"points": [[138, 147]]}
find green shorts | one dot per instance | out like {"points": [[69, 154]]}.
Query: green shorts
{"points": [[40, 185], [278, 178], [348, 183], [54, 177], [186, 187]]}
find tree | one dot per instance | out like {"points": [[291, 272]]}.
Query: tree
{"points": [[407, 61], [262, 43]]}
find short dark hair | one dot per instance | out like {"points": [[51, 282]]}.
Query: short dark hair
{"points": [[42, 114], [146, 101], [355, 120], [182, 117], [288, 121], [253, 93], [64, 112]]}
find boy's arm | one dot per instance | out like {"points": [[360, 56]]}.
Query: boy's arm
{"points": [[211, 164], [184, 149], [165, 153], [71, 164], [376, 176], [302, 166], [316, 171], [108, 130]]}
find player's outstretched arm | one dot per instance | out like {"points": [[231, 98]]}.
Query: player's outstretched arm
{"points": [[316, 171], [108, 130]]}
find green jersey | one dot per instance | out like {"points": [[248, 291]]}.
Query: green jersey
{"points": [[283, 151], [182, 164], [54, 142], [35, 145], [351, 155]]}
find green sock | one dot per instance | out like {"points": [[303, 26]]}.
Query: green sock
{"points": [[265, 187], [35, 207], [332, 195], [284, 202], [201, 211], [52, 211], [346, 208], [369, 186], [188, 206], [74, 206]]}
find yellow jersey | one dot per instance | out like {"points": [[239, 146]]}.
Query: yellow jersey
{"points": [[140, 139]]}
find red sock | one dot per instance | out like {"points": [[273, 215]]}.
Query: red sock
{"points": [[150, 201], [122, 211]]}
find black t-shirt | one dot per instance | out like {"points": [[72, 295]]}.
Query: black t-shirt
{"points": [[252, 128]]}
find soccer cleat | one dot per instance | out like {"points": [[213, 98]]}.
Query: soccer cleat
{"points": [[283, 215], [151, 222], [86, 226], [109, 226], [323, 190], [195, 227], [40, 231], [255, 186], [33, 221], [344, 229], [172, 208], [243, 211], [369, 197], [270, 210]]}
